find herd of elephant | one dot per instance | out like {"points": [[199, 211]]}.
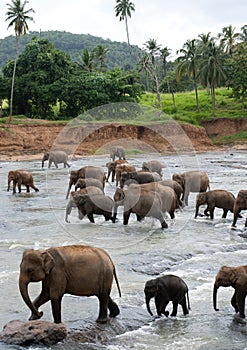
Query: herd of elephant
{"points": [[143, 193]]}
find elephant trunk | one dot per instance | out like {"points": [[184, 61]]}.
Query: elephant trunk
{"points": [[9, 181], [24, 293], [43, 163], [148, 298], [215, 297], [197, 209]]}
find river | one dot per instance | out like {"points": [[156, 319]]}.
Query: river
{"points": [[193, 249]]}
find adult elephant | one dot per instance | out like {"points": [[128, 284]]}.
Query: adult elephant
{"points": [[85, 173], [98, 204], [167, 195], [192, 181], [55, 157], [141, 202], [154, 166], [76, 269], [90, 190], [139, 177], [117, 151], [165, 289], [240, 204], [111, 166], [215, 199], [19, 178], [235, 277]]}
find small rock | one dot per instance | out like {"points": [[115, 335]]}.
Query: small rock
{"points": [[33, 332]]}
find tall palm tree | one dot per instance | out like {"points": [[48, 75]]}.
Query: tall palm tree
{"points": [[165, 52], [228, 38], [123, 11], [17, 17], [213, 69], [153, 49], [100, 53], [188, 62]]}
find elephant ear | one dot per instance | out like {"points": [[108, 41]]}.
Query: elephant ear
{"points": [[48, 262]]}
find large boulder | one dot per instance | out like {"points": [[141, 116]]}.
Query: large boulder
{"points": [[33, 332]]}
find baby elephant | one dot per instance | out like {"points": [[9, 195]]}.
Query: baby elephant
{"points": [[215, 198], [19, 178], [164, 289]]}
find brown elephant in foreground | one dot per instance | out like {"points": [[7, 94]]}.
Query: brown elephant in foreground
{"points": [[77, 269], [192, 181], [235, 277], [142, 202], [215, 199], [91, 190], [240, 204], [19, 178], [85, 173], [55, 157]]}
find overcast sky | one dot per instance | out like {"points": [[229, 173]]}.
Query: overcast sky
{"points": [[170, 22]]}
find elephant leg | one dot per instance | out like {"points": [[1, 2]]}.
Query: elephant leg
{"points": [[206, 211], [236, 214], [184, 306], [113, 308], [139, 217], [126, 216], [113, 176], [28, 188], [14, 187], [211, 211], [162, 220], [245, 222], [172, 215], [56, 309], [240, 297], [90, 217], [19, 187], [225, 211], [234, 302], [175, 308], [158, 304], [35, 188], [163, 306], [103, 303], [56, 164]]}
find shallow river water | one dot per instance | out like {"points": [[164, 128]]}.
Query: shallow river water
{"points": [[193, 249]]}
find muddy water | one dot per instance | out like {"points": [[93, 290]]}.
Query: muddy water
{"points": [[193, 249]]}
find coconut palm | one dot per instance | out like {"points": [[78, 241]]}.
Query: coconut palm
{"points": [[123, 11], [228, 38], [17, 17], [187, 64], [213, 69]]}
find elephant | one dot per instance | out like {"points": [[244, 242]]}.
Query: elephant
{"points": [[21, 177], [140, 202], [86, 172], [123, 168], [154, 166], [192, 181], [177, 189], [83, 183], [167, 195], [235, 277], [98, 204], [55, 157], [164, 289], [140, 177], [75, 269], [240, 204], [111, 166], [215, 198], [91, 190], [117, 151]]}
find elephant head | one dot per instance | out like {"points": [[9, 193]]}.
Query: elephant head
{"points": [[226, 277], [45, 157], [151, 289], [200, 200], [11, 177], [35, 266]]}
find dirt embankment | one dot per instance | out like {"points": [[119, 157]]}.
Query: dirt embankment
{"points": [[30, 141]]}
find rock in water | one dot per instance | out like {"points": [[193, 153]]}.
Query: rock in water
{"points": [[33, 332]]}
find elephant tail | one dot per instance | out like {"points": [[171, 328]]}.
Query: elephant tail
{"points": [[116, 279], [188, 300]]}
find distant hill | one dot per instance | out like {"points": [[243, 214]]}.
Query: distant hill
{"points": [[118, 55]]}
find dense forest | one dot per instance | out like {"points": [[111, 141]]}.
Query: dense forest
{"points": [[73, 44]]}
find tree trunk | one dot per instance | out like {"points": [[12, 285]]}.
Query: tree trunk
{"points": [[13, 81]]}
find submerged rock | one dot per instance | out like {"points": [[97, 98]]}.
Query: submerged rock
{"points": [[33, 332]]}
